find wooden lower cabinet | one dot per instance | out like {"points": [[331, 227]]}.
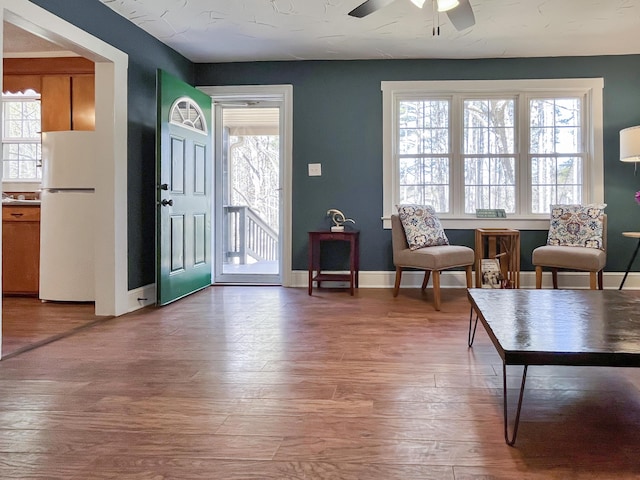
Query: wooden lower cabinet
{"points": [[20, 249]]}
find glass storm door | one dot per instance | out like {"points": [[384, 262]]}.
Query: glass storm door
{"points": [[248, 186]]}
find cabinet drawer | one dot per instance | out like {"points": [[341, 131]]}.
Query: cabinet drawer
{"points": [[21, 214]]}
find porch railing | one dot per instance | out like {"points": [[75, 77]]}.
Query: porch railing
{"points": [[248, 235]]}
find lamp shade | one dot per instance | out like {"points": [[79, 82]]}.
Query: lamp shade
{"points": [[418, 3], [630, 144], [444, 5]]}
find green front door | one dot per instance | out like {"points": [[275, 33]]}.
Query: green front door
{"points": [[184, 189]]}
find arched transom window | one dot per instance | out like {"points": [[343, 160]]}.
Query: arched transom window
{"points": [[186, 113]]}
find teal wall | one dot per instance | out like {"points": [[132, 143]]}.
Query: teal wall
{"points": [[337, 121], [146, 55]]}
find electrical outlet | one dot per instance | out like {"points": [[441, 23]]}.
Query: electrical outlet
{"points": [[315, 169]]}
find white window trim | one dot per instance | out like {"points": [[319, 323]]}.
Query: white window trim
{"points": [[594, 178]]}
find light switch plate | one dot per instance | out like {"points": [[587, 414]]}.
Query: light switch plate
{"points": [[315, 169]]}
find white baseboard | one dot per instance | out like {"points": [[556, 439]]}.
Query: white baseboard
{"points": [[457, 279], [141, 297]]}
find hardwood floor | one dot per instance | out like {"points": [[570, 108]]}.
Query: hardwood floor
{"points": [[270, 383], [28, 322]]}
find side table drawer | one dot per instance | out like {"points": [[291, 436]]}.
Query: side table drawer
{"points": [[335, 236]]}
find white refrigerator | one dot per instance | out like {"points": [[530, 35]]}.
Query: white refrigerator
{"points": [[67, 216]]}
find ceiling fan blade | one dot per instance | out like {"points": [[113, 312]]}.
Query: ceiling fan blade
{"points": [[368, 7], [462, 16]]}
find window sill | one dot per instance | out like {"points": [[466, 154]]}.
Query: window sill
{"points": [[471, 223]]}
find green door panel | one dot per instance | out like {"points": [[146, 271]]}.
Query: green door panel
{"points": [[184, 170]]}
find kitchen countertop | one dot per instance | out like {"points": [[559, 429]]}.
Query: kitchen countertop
{"points": [[19, 203]]}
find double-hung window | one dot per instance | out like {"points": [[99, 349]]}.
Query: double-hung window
{"points": [[517, 145], [21, 140]]}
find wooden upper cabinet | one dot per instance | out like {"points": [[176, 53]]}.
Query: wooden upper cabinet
{"points": [[66, 87], [55, 99], [83, 102]]}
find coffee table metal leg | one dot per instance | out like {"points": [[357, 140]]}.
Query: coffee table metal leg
{"points": [[472, 334], [512, 441], [633, 257]]}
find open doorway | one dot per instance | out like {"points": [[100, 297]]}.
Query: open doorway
{"points": [[248, 165], [253, 159], [109, 222]]}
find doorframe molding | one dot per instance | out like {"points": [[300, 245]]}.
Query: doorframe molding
{"points": [[282, 93], [110, 227]]}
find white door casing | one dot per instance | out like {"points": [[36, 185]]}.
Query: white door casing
{"points": [[110, 221]]}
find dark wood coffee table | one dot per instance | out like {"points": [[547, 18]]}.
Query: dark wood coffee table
{"points": [[593, 328]]}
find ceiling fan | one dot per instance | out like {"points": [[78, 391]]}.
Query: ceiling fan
{"points": [[459, 12]]}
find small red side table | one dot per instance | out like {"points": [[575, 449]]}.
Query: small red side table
{"points": [[315, 273]]}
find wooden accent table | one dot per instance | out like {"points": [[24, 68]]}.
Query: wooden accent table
{"points": [[490, 242], [589, 328], [315, 239]]}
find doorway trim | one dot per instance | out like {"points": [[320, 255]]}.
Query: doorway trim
{"points": [[268, 92], [110, 227]]}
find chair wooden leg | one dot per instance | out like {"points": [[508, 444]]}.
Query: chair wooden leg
{"points": [[436, 289], [396, 287], [538, 277], [469, 270], [600, 280], [554, 277], [425, 280], [593, 280]]}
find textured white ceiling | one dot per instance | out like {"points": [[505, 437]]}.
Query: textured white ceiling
{"points": [[254, 30]]}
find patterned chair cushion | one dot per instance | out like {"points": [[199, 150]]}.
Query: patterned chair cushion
{"points": [[576, 226], [421, 226]]}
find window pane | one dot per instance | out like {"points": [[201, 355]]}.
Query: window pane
{"points": [[21, 124], [423, 171], [425, 181], [555, 125], [436, 196], [490, 183], [555, 180], [570, 170], [476, 197], [424, 127], [541, 197], [543, 171], [489, 126], [27, 169], [476, 171], [567, 111], [569, 194], [567, 140]]}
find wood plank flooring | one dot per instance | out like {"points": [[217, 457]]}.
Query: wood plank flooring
{"points": [[29, 322], [270, 383]]}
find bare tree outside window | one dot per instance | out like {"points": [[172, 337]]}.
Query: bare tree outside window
{"points": [[424, 153], [555, 152], [255, 175], [488, 153], [21, 149]]}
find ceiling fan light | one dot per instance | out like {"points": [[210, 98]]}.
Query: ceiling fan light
{"points": [[420, 3], [445, 5]]}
